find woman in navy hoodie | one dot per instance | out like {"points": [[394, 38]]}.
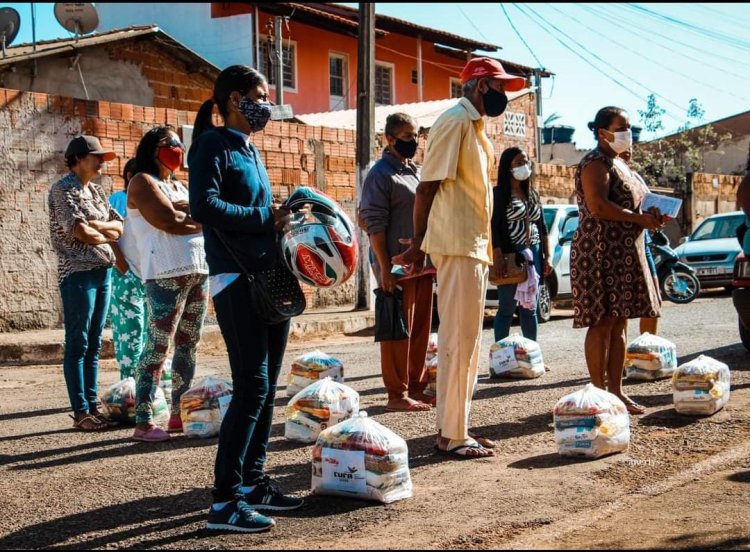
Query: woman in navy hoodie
{"points": [[230, 194]]}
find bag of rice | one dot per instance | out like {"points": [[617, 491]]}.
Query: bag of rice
{"points": [[516, 357], [701, 386], [591, 423], [650, 357], [202, 407], [359, 458], [431, 364], [311, 367], [319, 406], [119, 403]]}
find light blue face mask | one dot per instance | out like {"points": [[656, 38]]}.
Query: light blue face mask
{"points": [[256, 113]]}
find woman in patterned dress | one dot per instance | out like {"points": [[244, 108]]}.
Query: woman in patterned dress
{"points": [[609, 272]]}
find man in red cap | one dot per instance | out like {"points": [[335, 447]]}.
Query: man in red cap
{"points": [[452, 215]]}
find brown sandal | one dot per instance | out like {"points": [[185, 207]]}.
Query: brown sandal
{"points": [[88, 423]]}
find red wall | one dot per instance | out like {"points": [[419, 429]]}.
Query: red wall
{"points": [[314, 45]]}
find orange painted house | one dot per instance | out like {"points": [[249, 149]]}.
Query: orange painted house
{"points": [[320, 55]]}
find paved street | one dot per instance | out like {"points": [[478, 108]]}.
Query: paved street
{"points": [[682, 483]]}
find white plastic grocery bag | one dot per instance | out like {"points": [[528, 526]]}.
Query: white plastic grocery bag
{"points": [[311, 367], [701, 386], [650, 357], [202, 407], [516, 357], [318, 406]]}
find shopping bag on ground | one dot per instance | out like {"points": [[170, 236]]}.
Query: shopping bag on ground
{"points": [[516, 357], [311, 367], [203, 406], [318, 406], [701, 386], [650, 357]]}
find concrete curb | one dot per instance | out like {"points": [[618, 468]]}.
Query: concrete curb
{"points": [[49, 348]]}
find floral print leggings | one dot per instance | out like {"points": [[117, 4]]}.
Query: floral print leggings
{"points": [[129, 320], [176, 309]]}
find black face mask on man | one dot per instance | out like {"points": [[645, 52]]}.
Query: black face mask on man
{"points": [[494, 102], [406, 148]]}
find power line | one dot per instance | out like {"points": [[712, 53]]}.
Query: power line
{"points": [[714, 12], [471, 22], [641, 56], [539, 63], [720, 37], [606, 63], [632, 26]]}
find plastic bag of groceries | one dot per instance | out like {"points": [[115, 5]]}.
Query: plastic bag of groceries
{"points": [[591, 423], [319, 406], [202, 407], [359, 458], [516, 357], [119, 401], [431, 364], [311, 367], [650, 357], [701, 386], [166, 379]]}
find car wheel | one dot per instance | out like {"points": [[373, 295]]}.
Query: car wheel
{"points": [[544, 305]]}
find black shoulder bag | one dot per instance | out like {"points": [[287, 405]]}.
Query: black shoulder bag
{"points": [[275, 292]]}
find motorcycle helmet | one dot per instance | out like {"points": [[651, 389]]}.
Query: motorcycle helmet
{"points": [[319, 247]]}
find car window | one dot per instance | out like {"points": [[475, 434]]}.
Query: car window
{"points": [[549, 217], [717, 228], [571, 225]]}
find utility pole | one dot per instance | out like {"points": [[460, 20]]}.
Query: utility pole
{"points": [[279, 69], [365, 137], [538, 81]]}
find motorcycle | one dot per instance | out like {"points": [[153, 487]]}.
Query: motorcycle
{"points": [[677, 280], [741, 296]]}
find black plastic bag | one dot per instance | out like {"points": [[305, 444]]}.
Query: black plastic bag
{"points": [[390, 324]]}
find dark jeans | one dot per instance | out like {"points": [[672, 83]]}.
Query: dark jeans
{"points": [[85, 299], [256, 352], [507, 304]]}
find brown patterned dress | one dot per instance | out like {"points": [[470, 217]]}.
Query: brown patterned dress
{"points": [[608, 268]]}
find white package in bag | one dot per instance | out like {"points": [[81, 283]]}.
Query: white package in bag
{"points": [[431, 364], [319, 406], [203, 406], [650, 357], [311, 367], [591, 423], [516, 357], [360, 458], [701, 386]]}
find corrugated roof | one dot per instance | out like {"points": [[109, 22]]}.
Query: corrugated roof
{"points": [[426, 113], [348, 17], [46, 48]]}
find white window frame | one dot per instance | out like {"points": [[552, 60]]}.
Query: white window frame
{"points": [[392, 67], [284, 43], [345, 57], [451, 82]]}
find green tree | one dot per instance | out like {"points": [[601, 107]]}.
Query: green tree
{"points": [[667, 161]]}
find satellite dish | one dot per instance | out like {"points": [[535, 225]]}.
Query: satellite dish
{"points": [[10, 22], [78, 18]]}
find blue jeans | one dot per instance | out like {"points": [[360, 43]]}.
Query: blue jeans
{"points": [[256, 351], [85, 299], [507, 305]]}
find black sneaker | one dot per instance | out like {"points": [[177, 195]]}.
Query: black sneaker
{"points": [[238, 516], [269, 496]]}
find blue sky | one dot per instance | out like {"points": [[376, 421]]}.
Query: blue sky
{"points": [[680, 51]]}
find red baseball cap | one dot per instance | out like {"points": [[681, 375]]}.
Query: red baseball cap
{"points": [[484, 67]]}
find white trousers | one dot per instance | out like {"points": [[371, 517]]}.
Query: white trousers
{"points": [[462, 285]]}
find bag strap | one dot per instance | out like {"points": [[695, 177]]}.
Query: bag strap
{"points": [[527, 220], [232, 254]]}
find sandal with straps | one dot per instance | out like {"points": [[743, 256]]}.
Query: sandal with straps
{"points": [[88, 423]]}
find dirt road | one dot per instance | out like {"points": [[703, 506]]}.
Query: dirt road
{"points": [[684, 482]]}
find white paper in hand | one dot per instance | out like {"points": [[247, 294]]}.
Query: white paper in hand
{"points": [[669, 206]]}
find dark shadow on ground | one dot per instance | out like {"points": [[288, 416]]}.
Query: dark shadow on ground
{"points": [[735, 356], [709, 540], [498, 387], [545, 461], [740, 477], [38, 434], [32, 414], [668, 418]]}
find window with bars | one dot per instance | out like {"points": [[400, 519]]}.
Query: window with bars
{"points": [[457, 90], [289, 53], [336, 71], [383, 85]]}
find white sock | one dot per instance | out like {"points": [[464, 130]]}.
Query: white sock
{"points": [[245, 490], [218, 505]]}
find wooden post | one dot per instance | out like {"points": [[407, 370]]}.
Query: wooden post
{"points": [[365, 136]]}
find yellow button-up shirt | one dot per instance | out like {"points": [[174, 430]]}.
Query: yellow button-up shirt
{"points": [[458, 154]]}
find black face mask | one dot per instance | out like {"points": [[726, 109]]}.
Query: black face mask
{"points": [[406, 149], [494, 102]]}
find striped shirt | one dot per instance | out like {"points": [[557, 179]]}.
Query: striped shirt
{"points": [[517, 221]]}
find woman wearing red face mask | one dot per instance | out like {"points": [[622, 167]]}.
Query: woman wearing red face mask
{"points": [[164, 247]]}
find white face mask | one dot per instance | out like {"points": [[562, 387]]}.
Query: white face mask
{"points": [[522, 173], [623, 141]]}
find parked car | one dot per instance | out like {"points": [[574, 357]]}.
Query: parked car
{"points": [[713, 248]]}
